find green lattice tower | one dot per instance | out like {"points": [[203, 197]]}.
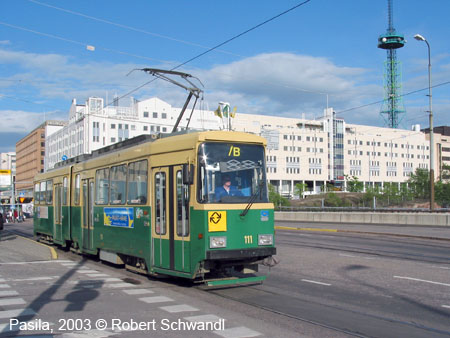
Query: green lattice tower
{"points": [[392, 110]]}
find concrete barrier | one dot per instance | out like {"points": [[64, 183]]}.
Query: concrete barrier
{"points": [[365, 217]]}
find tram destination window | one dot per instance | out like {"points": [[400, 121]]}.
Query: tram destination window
{"points": [[231, 173], [137, 182], [118, 184], [102, 186]]}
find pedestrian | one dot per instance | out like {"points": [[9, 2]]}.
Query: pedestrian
{"points": [[15, 216], [1, 220]]}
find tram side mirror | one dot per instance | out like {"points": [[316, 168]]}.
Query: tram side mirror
{"points": [[188, 174]]}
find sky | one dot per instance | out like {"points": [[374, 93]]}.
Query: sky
{"points": [[322, 52]]}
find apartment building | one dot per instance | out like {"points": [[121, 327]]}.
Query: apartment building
{"points": [[30, 154]]}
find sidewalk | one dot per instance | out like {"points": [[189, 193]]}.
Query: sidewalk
{"points": [[433, 232], [14, 248]]}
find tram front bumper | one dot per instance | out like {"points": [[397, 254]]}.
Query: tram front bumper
{"points": [[237, 254]]}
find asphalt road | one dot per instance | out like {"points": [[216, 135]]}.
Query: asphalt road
{"points": [[358, 284], [327, 284]]}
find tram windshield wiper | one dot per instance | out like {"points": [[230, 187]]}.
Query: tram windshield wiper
{"points": [[252, 200]]}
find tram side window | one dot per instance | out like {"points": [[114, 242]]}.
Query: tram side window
{"points": [[64, 199], [102, 186], [160, 212], [118, 177], [77, 189], [36, 193], [49, 197], [137, 182], [182, 207], [43, 192]]}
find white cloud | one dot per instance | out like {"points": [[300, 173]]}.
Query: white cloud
{"points": [[283, 84], [18, 121], [288, 84]]}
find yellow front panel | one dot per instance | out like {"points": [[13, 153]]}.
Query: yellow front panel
{"points": [[217, 221]]}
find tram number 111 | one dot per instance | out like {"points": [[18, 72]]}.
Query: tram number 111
{"points": [[248, 239]]}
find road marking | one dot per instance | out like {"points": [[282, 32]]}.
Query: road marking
{"points": [[17, 313], [137, 291], [422, 280], [2, 280], [440, 267], [33, 279], [111, 279], [33, 262], [5, 328], [12, 301], [304, 229], [314, 282], [204, 318], [157, 299], [178, 308], [237, 332], [446, 306], [4, 286], [8, 293], [355, 256], [87, 271], [119, 285], [98, 275]]}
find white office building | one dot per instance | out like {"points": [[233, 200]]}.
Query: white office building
{"points": [[314, 152]]}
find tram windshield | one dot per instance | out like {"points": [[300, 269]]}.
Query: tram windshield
{"points": [[231, 173]]}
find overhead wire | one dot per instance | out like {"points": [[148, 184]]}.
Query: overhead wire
{"points": [[53, 36], [139, 30], [185, 42], [221, 44], [382, 101], [128, 27]]}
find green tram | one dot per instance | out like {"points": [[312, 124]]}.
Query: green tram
{"points": [[152, 204]]}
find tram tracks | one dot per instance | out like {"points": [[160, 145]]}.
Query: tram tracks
{"points": [[220, 293], [333, 317]]}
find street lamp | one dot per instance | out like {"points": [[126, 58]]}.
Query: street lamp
{"points": [[419, 37]]}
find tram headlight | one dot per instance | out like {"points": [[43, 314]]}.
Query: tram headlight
{"points": [[265, 239], [217, 242]]}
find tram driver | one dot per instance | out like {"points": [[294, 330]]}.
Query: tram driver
{"points": [[227, 189]]}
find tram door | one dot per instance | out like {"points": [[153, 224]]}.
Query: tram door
{"points": [[170, 234], [88, 213], [57, 214]]}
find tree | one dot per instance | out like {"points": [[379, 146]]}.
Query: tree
{"points": [[445, 172], [391, 193], [442, 193], [300, 188], [353, 184], [406, 193], [276, 198], [419, 182]]}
